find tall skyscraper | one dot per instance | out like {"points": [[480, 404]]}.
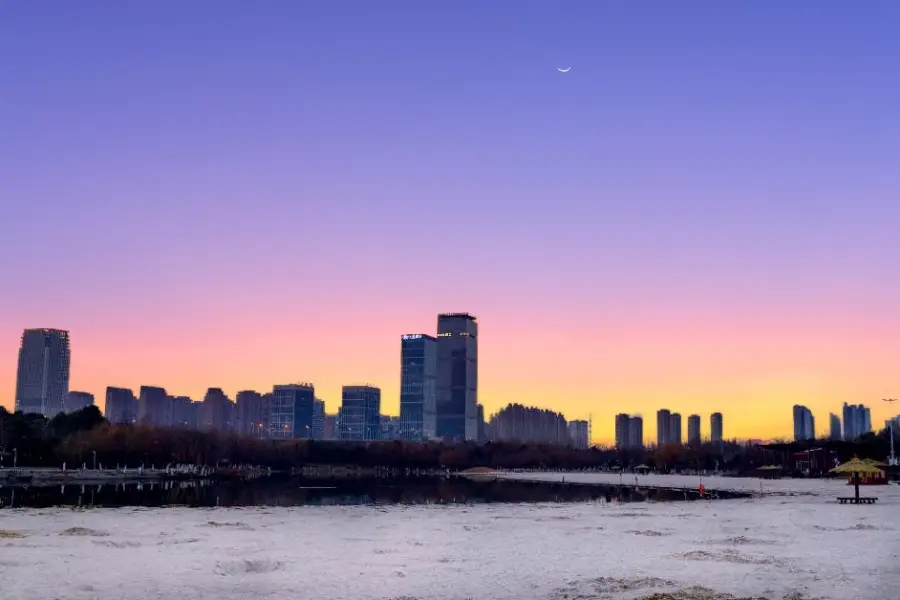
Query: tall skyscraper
{"points": [[715, 427], [457, 377], [42, 381], [636, 431], [418, 391], [360, 413], [291, 410], [663, 427], [121, 406], [251, 414], [623, 430], [857, 421], [154, 407], [804, 424], [834, 427], [693, 436], [78, 400], [675, 428]]}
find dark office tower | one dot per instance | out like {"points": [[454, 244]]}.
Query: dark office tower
{"points": [[715, 427], [663, 427], [693, 429], [636, 432], [834, 427], [360, 413], [418, 372], [42, 381], [623, 432], [251, 414], [318, 420], [121, 406], [154, 407], [185, 413], [457, 377], [78, 401], [291, 411]]}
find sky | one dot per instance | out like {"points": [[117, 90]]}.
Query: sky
{"points": [[701, 215]]}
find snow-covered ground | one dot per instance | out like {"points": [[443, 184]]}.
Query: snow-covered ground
{"points": [[765, 547]]}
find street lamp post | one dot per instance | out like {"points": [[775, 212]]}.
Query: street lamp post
{"points": [[94, 452], [15, 457], [892, 461]]}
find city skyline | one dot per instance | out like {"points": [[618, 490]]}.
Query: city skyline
{"points": [[156, 397], [700, 215]]}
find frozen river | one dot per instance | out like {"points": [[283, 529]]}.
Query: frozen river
{"points": [[802, 546]]}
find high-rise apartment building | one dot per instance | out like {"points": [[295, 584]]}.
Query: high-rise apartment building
{"points": [[629, 432], [457, 377], [418, 391], [251, 411], [675, 428], [42, 380], [857, 421], [291, 410], [663, 427], [360, 413], [78, 400], [515, 422], [636, 432], [154, 407], [834, 427], [623, 441], [216, 411], [693, 436], [579, 434], [715, 427], [185, 413], [121, 406], [804, 424]]}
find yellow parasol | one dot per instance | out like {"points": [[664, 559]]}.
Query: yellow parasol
{"points": [[855, 467]]}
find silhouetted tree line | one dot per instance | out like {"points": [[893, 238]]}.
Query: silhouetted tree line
{"points": [[74, 438]]}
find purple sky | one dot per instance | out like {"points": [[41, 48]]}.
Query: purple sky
{"points": [[194, 164]]}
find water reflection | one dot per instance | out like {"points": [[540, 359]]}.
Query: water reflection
{"points": [[283, 491]]}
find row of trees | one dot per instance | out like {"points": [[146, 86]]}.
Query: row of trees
{"points": [[77, 438]]}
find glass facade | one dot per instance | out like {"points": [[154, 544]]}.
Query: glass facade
{"points": [[418, 371], [360, 413], [457, 377], [291, 411]]}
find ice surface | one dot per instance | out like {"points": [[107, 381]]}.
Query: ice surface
{"points": [[806, 545]]}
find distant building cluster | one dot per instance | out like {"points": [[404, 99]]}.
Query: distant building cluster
{"points": [[438, 397], [630, 429], [857, 421], [516, 422], [629, 432]]}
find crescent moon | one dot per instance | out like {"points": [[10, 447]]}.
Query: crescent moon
{"points": [[563, 70]]}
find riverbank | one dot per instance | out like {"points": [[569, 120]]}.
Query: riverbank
{"points": [[44, 476]]}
